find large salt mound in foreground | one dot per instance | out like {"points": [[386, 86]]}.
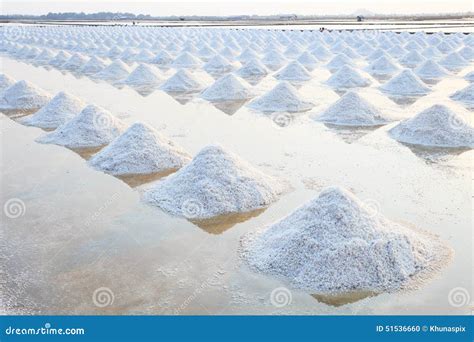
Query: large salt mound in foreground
{"points": [[347, 77], [282, 98], [140, 150], [216, 182], [227, 88], [335, 244], [465, 96], [406, 83], [352, 110], [435, 126], [92, 128], [182, 81], [23, 95], [62, 108]]}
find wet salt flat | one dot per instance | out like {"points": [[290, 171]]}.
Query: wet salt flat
{"points": [[83, 231]]}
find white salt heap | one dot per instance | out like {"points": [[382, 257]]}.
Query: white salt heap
{"points": [[6, 81], [435, 126], [353, 110], [252, 68], [227, 88], [470, 77], [139, 150], [382, 66], [182, 81], [282, 98], [453, 62], [115, 71], [293, 72], [93, 127], [62, 108], [143, 75], [405, 83], [430, 70], [186, 60], [465, 96], [23, 95], [347, 77], [218, 64], [216, 182], [93, 66], [334, 244]]}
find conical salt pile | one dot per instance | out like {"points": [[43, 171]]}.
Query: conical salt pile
{"points": [[335, 244], [182, 81], [470, 77], [143, 75], [186, 60], [252, 68], [75, 62], [382, 67], [93, 66], [62, 108], [465, 96], [274, 60], [347, 77], [216, 182], [430, 70], [453, 62], [353, 110], [92, 128], [412, 59], [435, 126], [307, 60], [227, 88], [282, 98], [115, 71], [163, 58], [405, 83], [293, 72], [139, 150], [23, 95], [60, 59], [218, 64], [6, 81], [338, 62]]}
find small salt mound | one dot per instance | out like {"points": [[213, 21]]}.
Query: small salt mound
{"points": [[435, 126], [470, 77], [44, 56], [405, 83], [465, 96], [186, 60], [412, 59], [307, 60], [453, 62], [430, 70], [143, 75], [60, 59], [140, 150], [335, 244], [62, 108], [23, 95], [274, 60], [293, 72], [75, 62], [93, 127], [282, 98], [6, 81], [115, 71], [252, 68], [163, 58], [352, 110], [218, 64], [382, 67], [338, 62], [216, 182], [227, 88], [467, 53], [93, 66], [182, 81], [347, 77]]}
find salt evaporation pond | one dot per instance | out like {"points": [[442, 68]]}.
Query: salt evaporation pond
{"points": [[94, 230]]}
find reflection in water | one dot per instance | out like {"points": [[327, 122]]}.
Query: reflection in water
{"points": [[182, 97], [381, 78], [350, 134], [229, 107], [343, 298], [435, 155], [18, 113], [144, 90], [254, 80], [403, 100], [430, 81], [219, 224], [87, 153], [137, 180]]}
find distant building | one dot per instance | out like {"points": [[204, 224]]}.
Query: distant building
{"points": [[360, 18]]}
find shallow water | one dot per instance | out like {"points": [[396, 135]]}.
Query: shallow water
{"points": [[82, 230]]}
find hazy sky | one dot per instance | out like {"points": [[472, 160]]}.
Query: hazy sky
{"points": [[191, 7]]}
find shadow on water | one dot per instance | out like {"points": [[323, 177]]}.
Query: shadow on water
{"points": [[343, 298], [87, 153], [254, 80], [182, 97], [350, 134], [219, 224], [404, 100], [18, 113], [134, 180], [435, 155], [229, 107]]}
